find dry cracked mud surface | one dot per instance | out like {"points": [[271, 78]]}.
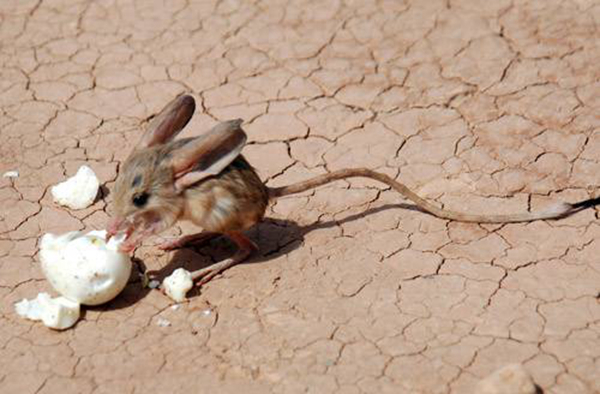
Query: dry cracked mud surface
{"points": [[478, 105]]}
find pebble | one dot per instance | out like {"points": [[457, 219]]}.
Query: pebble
{"points": [[510, 379]]}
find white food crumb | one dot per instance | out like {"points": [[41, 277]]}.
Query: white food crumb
{"points": [[175, 307], [154, 284], [79, 191], [162, 322], [178, 284], [58, 313], [11, 174], [206, 312]]}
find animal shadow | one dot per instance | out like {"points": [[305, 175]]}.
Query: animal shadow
{"points": [[274, 237]]}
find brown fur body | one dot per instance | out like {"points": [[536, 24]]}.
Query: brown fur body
{"points": [[233, 201]]}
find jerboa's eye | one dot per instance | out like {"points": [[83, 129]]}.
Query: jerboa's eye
{"points": [[139, 200]]}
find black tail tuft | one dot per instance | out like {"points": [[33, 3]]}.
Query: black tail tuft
{"points": [[586, 203]]}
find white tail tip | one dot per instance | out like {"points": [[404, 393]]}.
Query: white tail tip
{"points": [[557, 210]]}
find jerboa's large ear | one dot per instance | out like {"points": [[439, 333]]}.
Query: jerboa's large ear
{"points": [[169, 122], [208, 154]]}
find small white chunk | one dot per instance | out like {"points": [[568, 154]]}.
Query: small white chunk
{"points": [[79, 191], [178, 284], [11, 174], [162, 322], [153, 284], [84, 267], [512, 379], [58, 313]]}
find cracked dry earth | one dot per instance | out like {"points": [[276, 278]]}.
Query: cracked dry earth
{"points": [[488, 106]]}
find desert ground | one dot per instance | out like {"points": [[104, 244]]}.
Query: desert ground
{"points": [[479, 106]]}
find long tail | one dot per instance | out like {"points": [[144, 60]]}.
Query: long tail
{"points": [[555, 212]]}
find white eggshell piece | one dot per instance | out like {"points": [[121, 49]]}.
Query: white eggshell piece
{"points": [[178, 284], [58, 313], [79, 191], [83, 267]]}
